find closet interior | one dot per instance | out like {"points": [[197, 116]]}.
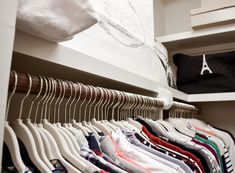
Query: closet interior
{"points": [[173, 29], [53, 83]]}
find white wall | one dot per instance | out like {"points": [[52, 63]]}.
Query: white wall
{"points": [[117, 48]]}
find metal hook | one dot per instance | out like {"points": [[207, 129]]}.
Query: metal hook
{"points": [[59, 104], [112, 95], [119, 107], [74, 98], [132, 104], [39, 93], [27, 94], [98, 103], [151, 105], [57, 100], [11, 95], [116, 105], [145, 106], [142, 105], [136, 104], [148, 107], [119, 94], [103, 103], [123, 108], [70, 97], [78, 99], [94, 100], [46, 98], [107, 103], [52, 99], [45, 94], [85, 111], [80, 106]]}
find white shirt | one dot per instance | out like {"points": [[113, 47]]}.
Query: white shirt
{"points": [[148, 164]]}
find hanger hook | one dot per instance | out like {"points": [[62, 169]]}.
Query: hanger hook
{"points": [[12, 93], [70, 97], [94, 100], [112, 96], [52, 98], [45, 94], [98, 103], [90, 89], [74, 98], [107, 102], [33, 101], [57, 100], [137, 106], [120, 106], [88, 102], [103, 103], [61, 99], [116, 104], [133, 105], [27, 94], [123, 107], [78, 99], [46, 98], [80, 106]]}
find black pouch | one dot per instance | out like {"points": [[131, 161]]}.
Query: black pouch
{"points": [[210, 73]]}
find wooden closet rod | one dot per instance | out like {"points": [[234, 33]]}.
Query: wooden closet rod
{"points": [[85, 93]]}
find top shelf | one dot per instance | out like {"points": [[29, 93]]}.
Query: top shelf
{"points": [[199, 38], [205, 97], [173, 28]]}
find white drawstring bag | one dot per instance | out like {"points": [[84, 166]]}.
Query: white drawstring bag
{"points": [[55, 20]]}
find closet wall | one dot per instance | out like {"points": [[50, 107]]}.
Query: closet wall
{"points": [[220, 114], [7, 32]]}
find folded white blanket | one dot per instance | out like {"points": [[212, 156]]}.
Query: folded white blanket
{"points": [[55, 20]]}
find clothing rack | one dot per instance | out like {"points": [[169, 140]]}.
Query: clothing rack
{"points": [[176, 136], [83, 91]]}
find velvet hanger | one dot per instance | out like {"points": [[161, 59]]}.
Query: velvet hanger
{"points": [[52, 149], [10, 138], [62, 143], [24, 134], [35, 132]]}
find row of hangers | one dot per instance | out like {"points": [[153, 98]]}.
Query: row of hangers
{"points": [[84, 108], [43, 135], [180, 110], [182, 118]]}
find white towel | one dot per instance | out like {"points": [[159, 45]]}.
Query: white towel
{"points": [[55, 20]]}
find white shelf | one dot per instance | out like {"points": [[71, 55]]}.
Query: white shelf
{"points": [[211, 97], [65, 56], [198, 38], [207, 97]]}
